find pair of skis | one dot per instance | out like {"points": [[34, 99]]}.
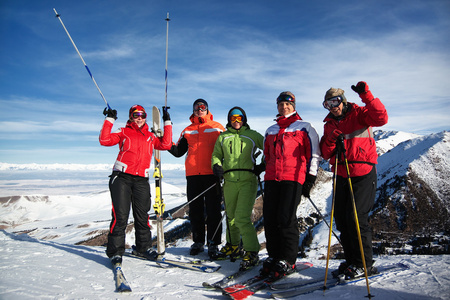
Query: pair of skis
{"points": [[291, 289], [248, 287], [193, 265]]}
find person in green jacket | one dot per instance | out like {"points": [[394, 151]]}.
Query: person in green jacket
{"points": [[234, 160]]}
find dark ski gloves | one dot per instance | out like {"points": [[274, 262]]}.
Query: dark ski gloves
{"points": [[258, 169], [166, 116], [309, 183], [110, 113], [361, 87], [218, 170]]}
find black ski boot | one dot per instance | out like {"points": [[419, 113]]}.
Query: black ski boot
{"points": [[196, 248], [340, 270], [149, 254]]}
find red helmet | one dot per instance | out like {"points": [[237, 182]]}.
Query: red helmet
{"points": [[134, 108]]}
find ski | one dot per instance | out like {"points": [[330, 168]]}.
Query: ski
{"points": [[195, 265], [251, 286], [228, 279], [159, 202], [289, 290], [122, 284]]}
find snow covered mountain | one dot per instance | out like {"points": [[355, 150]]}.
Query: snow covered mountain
{"points": [[413, 197]]}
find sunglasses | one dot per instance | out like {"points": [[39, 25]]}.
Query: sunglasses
{"points": [[236, 118], [332, 102], [201, 107], [136, 115]]}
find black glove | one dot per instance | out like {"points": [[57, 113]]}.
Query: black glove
{"points": [[258, 169], [340, 146], [110, 113], [166, 116], [218, 170], [361, 87], [309, 183]]}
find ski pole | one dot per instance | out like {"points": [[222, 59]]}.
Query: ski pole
{"points": [[309, 198], [79, 54], [355, 215], [167, 54], [224, 214], [195, 198], [331, 221]]}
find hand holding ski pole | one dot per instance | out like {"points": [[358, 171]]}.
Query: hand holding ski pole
{"points": [[218, 171], [340, 146], [110, 113], [166, 115]]}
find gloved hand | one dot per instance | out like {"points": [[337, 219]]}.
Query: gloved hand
{"points": [[363, 91], [166, 116], [110, 113], [218, 170], [333, 136], [309, 183], [258, 169], [361, 87]]}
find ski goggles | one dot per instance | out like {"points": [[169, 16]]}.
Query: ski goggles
{"points": [[332, 102], [138, 114], [236, 118], [200, 107], [285, 98]]}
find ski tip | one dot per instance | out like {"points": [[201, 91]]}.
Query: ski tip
{"points": [[123, 289], [211, 269]]}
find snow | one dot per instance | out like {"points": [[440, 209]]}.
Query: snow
{"points": [[60, 205], [39, 269]]}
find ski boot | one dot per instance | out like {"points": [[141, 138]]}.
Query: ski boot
{"points": [[196, 248], [249, 260]]}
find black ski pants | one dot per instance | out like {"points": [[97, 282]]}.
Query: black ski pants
{"points": [[128, 190], [206, 209], [281, 199], [364, 190]]}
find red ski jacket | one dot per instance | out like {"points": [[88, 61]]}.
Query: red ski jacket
{"points": [[291, 150], [359, 143], [136, 145]]}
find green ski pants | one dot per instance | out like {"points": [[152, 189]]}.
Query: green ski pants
{"points": [[239, 201]]}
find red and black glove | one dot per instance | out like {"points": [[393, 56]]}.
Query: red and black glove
{"points": [[333, 136], [336, 138]]}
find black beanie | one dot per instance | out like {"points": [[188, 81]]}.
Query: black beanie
{"points": [[201, 101]]}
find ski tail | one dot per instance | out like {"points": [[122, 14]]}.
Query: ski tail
{"points": [[122, 284], [157, 175]]}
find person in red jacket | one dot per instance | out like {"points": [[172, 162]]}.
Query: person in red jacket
{"points": [[129, 183], [292, 157], [350, 126], [198, 140]]}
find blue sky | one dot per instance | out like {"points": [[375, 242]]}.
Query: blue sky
{"points": [[227, 52]]}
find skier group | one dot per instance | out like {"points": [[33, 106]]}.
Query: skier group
{"points": [[221, 163]]}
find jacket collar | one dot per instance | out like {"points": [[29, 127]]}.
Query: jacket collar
{"points": [[284, 122], [201, 120]]}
